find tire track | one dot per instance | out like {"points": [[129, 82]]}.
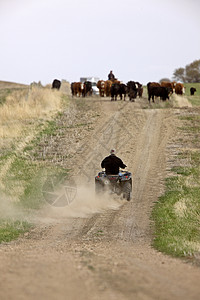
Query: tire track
{"points": [[131, 222]]}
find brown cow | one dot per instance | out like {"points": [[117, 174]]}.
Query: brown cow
{"points": [[78, 88], [179, 89], [101, 87], [154, 84], [169, 85], [107, 86]]}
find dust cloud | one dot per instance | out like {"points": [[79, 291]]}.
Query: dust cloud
{"points": [[84, 204], [8, 209]]}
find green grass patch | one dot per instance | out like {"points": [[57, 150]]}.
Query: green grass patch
{"points": [[195, 99], [25, 181], [189, 85], [176, 214], [177, 218], [25, 177], [10, 230], [50, 128]]}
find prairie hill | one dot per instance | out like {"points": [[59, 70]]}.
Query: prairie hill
{"points": [[11, 85]]}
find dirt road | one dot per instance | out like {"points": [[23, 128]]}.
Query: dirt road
{"points": [[101, 248]]}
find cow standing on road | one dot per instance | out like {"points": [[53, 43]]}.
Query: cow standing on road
{"points": [[118, 89], [101, 87], [154, 89], [76, 88], [132, 90], [114, 91], [87, 89], [123, 91]]}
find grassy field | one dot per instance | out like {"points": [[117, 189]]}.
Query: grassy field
{"points": [[26, 115], [195, 99], [176, 215]]}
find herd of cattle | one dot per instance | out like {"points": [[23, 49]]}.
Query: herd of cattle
{"points": [[114, 88]]}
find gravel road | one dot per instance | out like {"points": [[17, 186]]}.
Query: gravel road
{"points": [[101, 248]]}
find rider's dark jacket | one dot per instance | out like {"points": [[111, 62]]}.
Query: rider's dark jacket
{"points": [[111, 76], [112, 163]]}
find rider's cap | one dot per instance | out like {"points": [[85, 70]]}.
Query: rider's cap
{"points": [[112, 151]]}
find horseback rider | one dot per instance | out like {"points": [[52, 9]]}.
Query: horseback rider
{"points": [[112, 163]]}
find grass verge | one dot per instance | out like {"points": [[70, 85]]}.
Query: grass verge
{"points": [[10, 230], [21, 178], [195, 99], [176, 214]]}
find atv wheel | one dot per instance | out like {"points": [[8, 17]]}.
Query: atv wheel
{"points": [[127, 191]]}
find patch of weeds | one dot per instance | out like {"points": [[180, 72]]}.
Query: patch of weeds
{"points": [[99, 233], [190, 118], [44, 131], [28, 148], [10, 230], [176, 214], [79, 125], [195, 157], [3, 95], [195, 100], [91, 268], [184, 171], [5, 156], [161, 104], [25, 179], [65, 102], [49, 129]]}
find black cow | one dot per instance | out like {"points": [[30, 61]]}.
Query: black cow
{"points": [[158, 91], [87, 89], [118, 89], [192, 91], [72, 89], [114, 91], [122, 90], [132, 90], [56, 84], [139, 89]]}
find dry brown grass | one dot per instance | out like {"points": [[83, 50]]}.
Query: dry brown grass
{"points": [[12, 85], [24, 106]]}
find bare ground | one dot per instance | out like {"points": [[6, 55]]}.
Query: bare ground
{"points": [[101, 248]]}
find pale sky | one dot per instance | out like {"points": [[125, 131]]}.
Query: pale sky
{"points": [[142, 40]]}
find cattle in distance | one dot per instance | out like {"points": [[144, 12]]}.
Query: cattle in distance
{"points": [[56, 84]]}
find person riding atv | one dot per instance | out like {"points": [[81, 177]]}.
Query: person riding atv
{"points": [[113, 179], [112, 163]]}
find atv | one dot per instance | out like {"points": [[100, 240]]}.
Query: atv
{"points": [[118, 184]]}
